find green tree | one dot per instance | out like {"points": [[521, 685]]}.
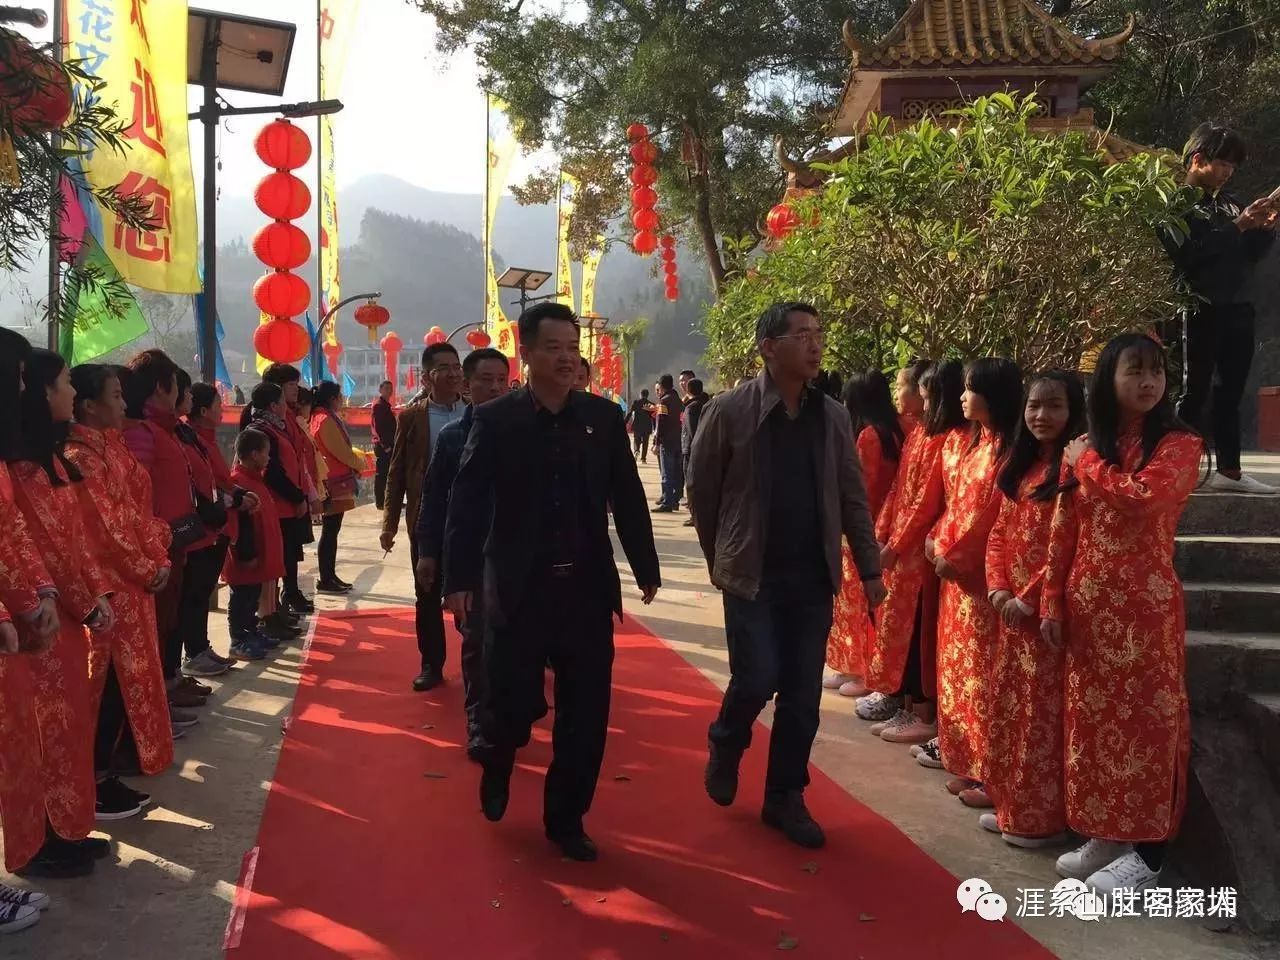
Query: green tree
{"points": [[971, 239], [714, 82]]}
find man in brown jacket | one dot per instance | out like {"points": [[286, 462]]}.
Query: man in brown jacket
{"points": [[419, 422], [774, 483]]}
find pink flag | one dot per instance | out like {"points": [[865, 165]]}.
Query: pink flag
{"points": [[72, 225]]}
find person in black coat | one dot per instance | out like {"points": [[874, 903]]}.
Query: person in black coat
{"points": [[553, 462]]}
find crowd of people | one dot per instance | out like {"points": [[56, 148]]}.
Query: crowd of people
{"points": [[121, 516]]}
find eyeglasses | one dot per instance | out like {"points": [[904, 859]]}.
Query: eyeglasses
{"points": [[806, 338]]}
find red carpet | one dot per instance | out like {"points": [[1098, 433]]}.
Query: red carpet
{"points": [[372, 844]]}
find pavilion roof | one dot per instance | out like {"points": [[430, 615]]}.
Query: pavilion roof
{"points": [[1010, 33]]}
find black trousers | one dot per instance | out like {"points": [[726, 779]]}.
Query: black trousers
{"points": [[382, 460], [327, 548], [640, 444], [473, 673], [199, 581], [1221, 340], [913, 675], [169, 613], [428, 616], [242, 610], [112, 724], [290, 535], [566, 621], [777, 649]]}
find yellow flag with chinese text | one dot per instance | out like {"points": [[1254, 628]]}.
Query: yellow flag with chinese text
{"points": [[501, 150], [336, 24], [564, 276], [590, 264], [138, 49]]}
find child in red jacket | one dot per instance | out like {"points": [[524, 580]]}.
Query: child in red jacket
{"points": [[256, 556]]}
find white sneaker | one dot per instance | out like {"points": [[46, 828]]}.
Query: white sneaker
{"points": [[1129, 872], [23, 898], [1221, 483], [877, 706], [14, 917], [832, 681], [899, 720], [989, 822], [1090, 858]]}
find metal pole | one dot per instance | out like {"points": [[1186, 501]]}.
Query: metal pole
{"points": [[209, 116], [55, 263], [320, 288], [485, 213]]}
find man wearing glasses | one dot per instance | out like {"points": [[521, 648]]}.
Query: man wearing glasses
{"points": [[769, 515]]}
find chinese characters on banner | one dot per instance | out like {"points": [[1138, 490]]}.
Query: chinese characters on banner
{"points": [[590, 264], [501, 148], [564, 277], [138, 49], [335, 24]]}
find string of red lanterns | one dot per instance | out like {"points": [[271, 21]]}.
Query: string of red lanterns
{"points": [[391, 346], [435, 335], [644, 198], [669, 267], [280, 245]]}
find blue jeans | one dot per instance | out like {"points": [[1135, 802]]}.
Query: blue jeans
{"points": [[671, 469], [777, 648]]}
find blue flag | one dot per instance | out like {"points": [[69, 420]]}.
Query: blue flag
{"points": [[220, 372], [348, 385], [313, 365]]}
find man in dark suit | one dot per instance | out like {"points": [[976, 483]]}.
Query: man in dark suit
{"points": [[553, 461]]}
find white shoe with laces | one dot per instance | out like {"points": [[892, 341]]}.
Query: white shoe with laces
{"points": [[23, 898], [1129, 872], [833, 681], [1089, 859], [14, 917], [877, 706], [1221, 483], [899, 720]]}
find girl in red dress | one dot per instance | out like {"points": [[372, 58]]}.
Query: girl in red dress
{"points": [[900, 666], [1112, 593], [880, 438], [967, 623], [1024, 757], [44, 489], [125, 670]]}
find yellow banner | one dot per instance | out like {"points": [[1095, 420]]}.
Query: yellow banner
{"points": [[501, 150], [139, 51], [335, 24], [564, 276], [590, 264]]}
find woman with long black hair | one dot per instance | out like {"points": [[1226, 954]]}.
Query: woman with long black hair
{"points": [[47, 824], [343, 465]]}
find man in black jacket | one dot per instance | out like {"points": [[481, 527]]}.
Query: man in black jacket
{"points": [[1216, 259], [696, 399], [382, 421], [553, 461]]}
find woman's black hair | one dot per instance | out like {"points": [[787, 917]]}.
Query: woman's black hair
{"points": [[184, 386], [203, 396], [147, 371], [251, 441], [870, 404], [326, 392], [943, 383], [306, 398], [264, 395], [999, 383], [916, 370], [42, 439], [1104, 409], [14, 351], [1026, 448], [90, 379]]}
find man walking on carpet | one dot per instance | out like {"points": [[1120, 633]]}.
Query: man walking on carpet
{"points": [[666, 439], [440, 403], [485, 373], [382, 420], [552, 461], [770, 513]]}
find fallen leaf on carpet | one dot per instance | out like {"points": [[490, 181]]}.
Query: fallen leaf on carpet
{"points": [[436, 776], [495, 904], [666, 937], [428, 726], [787, 942], [601, 899], [865, 918], [810, 868], [565, 902], [622, 778]]}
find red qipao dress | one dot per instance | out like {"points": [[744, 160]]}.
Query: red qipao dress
{"points": [[134, 548], [1111, 581], [909, 512], [1024, 753], [64, 714], [23, 580], [967, 623], [852, 633]]}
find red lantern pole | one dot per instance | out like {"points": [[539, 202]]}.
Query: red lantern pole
{"points": [[391, 347]]}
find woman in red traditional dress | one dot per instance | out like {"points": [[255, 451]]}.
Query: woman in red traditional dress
{"points": [[126, 675], [967, 623], [900, 665], [879, 442], [44, 490], [1024, 756], [1112, 593]]}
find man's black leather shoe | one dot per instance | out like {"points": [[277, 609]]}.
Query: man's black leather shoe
{"points": [[428, 679], [788, 813], [576, 846], [721, 776], [495, 791]]}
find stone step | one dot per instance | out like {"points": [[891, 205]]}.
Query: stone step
{"points": [[1262, 717], [1248, 559], [1224, 667], [1231, 514], [1228, 607]]}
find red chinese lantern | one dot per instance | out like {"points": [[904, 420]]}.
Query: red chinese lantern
{"points": [[781, 220], [644, 175], [281, 294], [282, 196], [282, 146], [643, 151], [35, 94], [669, 267], [391, 347], [281, 245], [637, 131], [332, 353], [645, 219], [668, 242], [281, 341], [606, 345], [644, 198], [669, 255], [478, 339], [372, 315], [644, 242], [435, 335]]}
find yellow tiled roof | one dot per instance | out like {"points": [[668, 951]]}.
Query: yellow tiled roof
{"points": [[982, 33]]}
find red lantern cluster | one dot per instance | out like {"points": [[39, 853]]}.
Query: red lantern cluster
{"points": [[332, 354], [280, 245], [371, 316], [478, 339], [644, 199], [609, 365], [435, 335], [781, 220], [391, 347], [669, 267], [34, 94]]}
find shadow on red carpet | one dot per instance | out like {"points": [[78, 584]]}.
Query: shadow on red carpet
{"points": [[372, 844]]}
